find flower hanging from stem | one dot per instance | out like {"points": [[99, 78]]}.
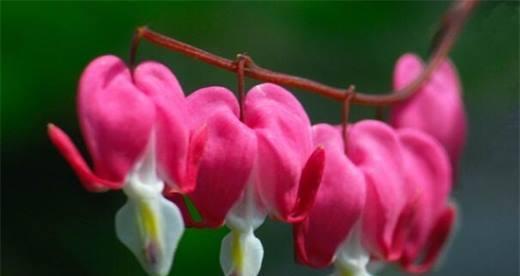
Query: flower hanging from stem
{"points": [[355, 194]]}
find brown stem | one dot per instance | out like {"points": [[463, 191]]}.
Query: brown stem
{"points": [[241, 61], [134, 46], [345, 113], [443, 42]]}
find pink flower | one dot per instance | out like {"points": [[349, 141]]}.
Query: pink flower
{"points": [[428, 168], [288, 167], [374, 148], [228, 157], [408, 177], [134, 125], [338, 206], [364, 203], [385, 199], [436, 109], [265, 164], [116, 119], [178, 149], [119, 116], [381, 196], [285, 172]]}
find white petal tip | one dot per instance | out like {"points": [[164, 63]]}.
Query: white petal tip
{"points": [[241, 253], [151, 228]]}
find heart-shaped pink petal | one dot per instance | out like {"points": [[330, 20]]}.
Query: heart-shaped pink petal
{"points": [[171, 128], [115, 116], [338, 204], [284, 147], [437, 108], [427, 167], [374, 148], [228, 156]]}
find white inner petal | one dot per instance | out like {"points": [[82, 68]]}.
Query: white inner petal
{"points": [[351, 258], [246, 213], [241, 253], [149, 224]]}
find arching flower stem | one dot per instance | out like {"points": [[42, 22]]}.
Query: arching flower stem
{"points": [[443, 42]]}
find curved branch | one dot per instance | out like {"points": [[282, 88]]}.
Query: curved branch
{"points": [[443, 41]]}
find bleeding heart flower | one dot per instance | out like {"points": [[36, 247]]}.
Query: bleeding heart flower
{"points": [[239, 186], [288, 167], [367, 189], [408, 181], [134, 128], [374, 148], [228, 157], [224, 192], [338, 206], [116, 120], [436, 109], [427, 167]]}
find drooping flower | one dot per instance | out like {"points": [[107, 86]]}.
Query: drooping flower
{"points": [[406, 214], [284, 180], [289, 167], [224, 192], [375, 149], [228, 157], [133, 125], [338, 205], [436, 109], [178, 149], [368, 190], [244, 164], [104, 118], [427, 167]]}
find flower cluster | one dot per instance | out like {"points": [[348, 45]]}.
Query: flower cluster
{"points": [[377, 195]]}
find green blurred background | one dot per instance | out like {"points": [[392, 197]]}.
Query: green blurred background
{"points": [[51, 226]]}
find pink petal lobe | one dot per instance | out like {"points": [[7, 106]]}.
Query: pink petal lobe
{"points": [[408, 68], [310, 180], [69, 151], [374, 148], [437, 238], [427, 167], [171, 130], [115, 117], [228, 156], [284, 145], [338, 205], [402, 229], [198, 142], [437, 108]]}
